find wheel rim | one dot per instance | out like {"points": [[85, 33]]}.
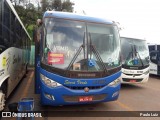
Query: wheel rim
{"points": [[2, 101]]}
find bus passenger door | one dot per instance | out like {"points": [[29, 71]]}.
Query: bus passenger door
{"points": [[37, 39]]}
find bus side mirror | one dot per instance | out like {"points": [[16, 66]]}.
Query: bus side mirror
{"points": [[39, 22]]}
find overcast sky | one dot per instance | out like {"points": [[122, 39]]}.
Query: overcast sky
{"points": [[140, 18]]}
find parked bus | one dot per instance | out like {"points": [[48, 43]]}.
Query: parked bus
{"points": [[135, 60], [154, 58], [78, 60], [14, 50]]}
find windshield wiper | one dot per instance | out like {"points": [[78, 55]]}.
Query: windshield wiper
{"points": [[95, 51], [137, 53], [93, 48], [130, 54], [134, 54], [77, 53]]}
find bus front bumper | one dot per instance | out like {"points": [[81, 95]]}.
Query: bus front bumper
{"points": [[62, 95], [133, 79]]}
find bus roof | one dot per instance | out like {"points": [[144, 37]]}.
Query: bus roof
{"points": [[134, 38], [74, 16]]}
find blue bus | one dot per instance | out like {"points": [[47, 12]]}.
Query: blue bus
{"points": [[154, 50], [77, 59]]}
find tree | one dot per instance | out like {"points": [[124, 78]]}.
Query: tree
{"points": [[67, 6], [14, 1], [29, 14], [45, 5], [18, 2], [57, 5], [38, 4], [30, 6]]}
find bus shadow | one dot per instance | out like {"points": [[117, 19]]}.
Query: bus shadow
{"points": [[155, 76], [131, 86], [76, 108]]}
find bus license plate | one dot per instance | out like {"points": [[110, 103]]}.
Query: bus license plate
{"points": [[85, 98], [132, 81]]}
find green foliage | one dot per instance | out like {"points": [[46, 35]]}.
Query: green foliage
{"points": [[30, 30], [57, 5], [45, 5], [29, 16], [29, 13], [67, 6]]}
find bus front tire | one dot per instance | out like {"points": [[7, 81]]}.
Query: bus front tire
{"points": [[3, 95]]}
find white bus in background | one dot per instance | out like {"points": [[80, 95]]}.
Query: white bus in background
{"points": [[135, 60], [14, 50], [154, 51]]}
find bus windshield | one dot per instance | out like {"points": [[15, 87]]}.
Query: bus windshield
{"points": [[84, 46], [134, 52]]}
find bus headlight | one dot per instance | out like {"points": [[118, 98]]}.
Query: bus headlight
{"points": [[115, 82], [49, 82], [147, 72]]}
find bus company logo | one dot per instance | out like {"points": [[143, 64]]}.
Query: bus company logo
{"points": [[86, 75], [6, 114], [4, 61], [86, 89]]}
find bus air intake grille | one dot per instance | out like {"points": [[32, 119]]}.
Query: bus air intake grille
{"points": [[132, 74], [129, 79], [82, 88], [76, 98]]}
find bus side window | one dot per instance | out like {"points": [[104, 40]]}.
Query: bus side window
{"points": [[158, 57], [153, 57]]}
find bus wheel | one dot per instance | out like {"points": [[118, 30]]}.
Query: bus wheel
{"points": [[2, 100], [3, 95]]}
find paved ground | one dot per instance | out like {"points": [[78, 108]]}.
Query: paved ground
{"points": [[139, 97]]}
